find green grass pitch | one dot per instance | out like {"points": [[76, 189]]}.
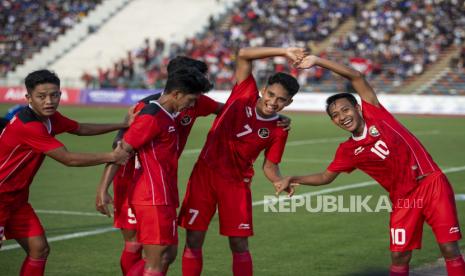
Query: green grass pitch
{"points": [[299, 243]]}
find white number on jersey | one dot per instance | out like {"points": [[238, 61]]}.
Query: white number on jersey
{"points": [[380, 148], [195, 213], [131, 217], [398, 236], [247, 130]]}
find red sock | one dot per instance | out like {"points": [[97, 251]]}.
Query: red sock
{"points": [[33, 267], [398, 270], [153, 273], [137, 269], [455, 266], [242, 264], [131, 254], [192, 262]]}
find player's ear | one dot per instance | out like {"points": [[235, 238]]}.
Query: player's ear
{"points": [[28, 98], [263, 90]]}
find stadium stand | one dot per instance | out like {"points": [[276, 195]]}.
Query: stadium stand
{"points": [[392, 42], [28, 26], [253, 23]]}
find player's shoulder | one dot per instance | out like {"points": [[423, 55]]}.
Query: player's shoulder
{"points": [[150, 109], [27, 116], [150, 98]]}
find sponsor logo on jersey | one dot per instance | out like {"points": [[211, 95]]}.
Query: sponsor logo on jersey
{"points": [[186, 120], [359, 150], [171, 129], [244, 226], [248, 111], [454, 230], [264, 133], [373, 131]]}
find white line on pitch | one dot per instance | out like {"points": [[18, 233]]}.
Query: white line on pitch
{"points": [[345, 187], [67, 237], [256, 203], [72, 213]]}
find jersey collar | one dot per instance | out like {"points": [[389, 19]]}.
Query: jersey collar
{"points": [[363, 136], [172, 116], [260, 118]]}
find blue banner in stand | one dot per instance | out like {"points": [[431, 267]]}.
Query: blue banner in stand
{"points": [[115, 96]]}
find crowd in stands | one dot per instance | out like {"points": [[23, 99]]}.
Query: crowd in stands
{"points": [[29, 25], [404, 36], [249, 23]]}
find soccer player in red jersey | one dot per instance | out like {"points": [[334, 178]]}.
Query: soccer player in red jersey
{"points": [[123, 176], [384, 149], [154, 197], [25, 141], [222, 175]]}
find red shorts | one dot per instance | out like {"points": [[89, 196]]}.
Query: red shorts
{"points": [[206, 191], [432, 201], [123, 215], [156, 224], [19, 222]]}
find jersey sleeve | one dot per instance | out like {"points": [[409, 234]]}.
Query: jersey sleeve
{"points": [[62, 124], [142, 130], [246, 89], [206, 106], [275, 151], [341, 162], [373, 112], [36, 136]]}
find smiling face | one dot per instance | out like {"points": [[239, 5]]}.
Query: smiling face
{"points": [[44, 99], [274, 98], [347, 116]]}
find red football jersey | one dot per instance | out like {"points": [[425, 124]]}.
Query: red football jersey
{"points": [[386, 151], [184, 122], [23, 144], [153, 135], [239, 134]]}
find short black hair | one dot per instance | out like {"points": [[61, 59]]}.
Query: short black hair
{"points": [[287, 81], [40, 77], [181, 62], [330, 100], [188, 81]]}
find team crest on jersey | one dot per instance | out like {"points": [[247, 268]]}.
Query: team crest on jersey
{"points": [[373, 131], [264, 133], [186, 120]]}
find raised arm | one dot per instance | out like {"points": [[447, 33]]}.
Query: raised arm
{"points": [[246, 56], [316, 179], [273, 173], [358, 81]]}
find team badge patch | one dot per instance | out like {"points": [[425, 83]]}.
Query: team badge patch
{"points": [[186, 120], [264, 133], [373, 131]]}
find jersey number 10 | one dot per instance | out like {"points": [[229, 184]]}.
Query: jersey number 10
{"points": [[380, 148]]}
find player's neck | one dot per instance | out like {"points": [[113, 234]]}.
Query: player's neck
{"points": [[167, 103], [359, 131], [40, 117]]}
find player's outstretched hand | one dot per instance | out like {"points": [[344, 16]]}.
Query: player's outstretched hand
{"points": [[307, 62], [102, 200], [285, 185], [295, 54], [284, 122]]}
